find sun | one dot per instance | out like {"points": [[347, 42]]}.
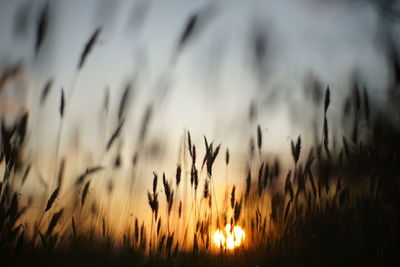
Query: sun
{"points": [[230, 238]]}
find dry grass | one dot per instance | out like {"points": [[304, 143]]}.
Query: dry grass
{"points": [[336, 206]]}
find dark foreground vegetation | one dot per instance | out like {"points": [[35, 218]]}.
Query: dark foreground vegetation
{"points": [[336, 207]]}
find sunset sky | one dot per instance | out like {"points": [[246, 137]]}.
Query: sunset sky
{"points": [[260, 130], [211, 85]]}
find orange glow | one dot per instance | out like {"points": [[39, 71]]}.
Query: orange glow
{"points": [[231, 238]]}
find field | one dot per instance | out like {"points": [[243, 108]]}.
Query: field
{"points": [[334, 203]]}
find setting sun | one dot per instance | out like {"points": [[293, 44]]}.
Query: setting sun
{"points": [[229, 239]]}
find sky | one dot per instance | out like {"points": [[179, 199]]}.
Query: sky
{"points": [[207, 89]]}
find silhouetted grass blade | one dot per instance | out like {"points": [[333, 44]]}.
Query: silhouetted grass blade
{"points": [[41, 29], [88, 47]]}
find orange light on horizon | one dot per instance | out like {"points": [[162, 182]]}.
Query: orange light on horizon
{"points": [[230, 238]]}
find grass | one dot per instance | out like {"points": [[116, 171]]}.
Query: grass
{"points": [[334, 208], [333, 205]]}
